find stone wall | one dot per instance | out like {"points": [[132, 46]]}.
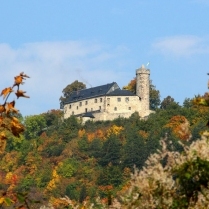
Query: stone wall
{"points": [[142, 86], [112, 106]]}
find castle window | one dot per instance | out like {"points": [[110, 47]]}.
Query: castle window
{"points": [[100, 99], [91, 109], [100, 107], [95, 101], [69, 106], [86, 102], [77, 107], [119, 99], [108, 101], [73, 113], [80, 104], [127, 99], [129, 108], [85, 109], [115, 108]]}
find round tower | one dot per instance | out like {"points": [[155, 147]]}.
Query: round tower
{"points": [[142, 87]]}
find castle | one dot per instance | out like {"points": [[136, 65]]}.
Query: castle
{"points": [[108, 102]]}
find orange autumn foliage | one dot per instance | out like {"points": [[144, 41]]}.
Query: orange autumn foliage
{"points": [[180, 127], [131, 86], [9, 123], [115, 130], [99, 134], [144, 134], [81, 133]]}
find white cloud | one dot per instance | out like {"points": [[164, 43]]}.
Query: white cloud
{"points": [[181, 46], [53, 65]]}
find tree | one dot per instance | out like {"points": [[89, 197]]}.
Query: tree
{"points": [[134, 149], [75, 86], [188, 103], [111, 151], [154, 97], [34, 125], [154, 94], [52, 117], [131, 86], [168, 102], [83, 194]]}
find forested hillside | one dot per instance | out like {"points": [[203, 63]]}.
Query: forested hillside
{"points": [[55, 158]]}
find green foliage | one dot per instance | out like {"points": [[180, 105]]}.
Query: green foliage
{"points": [[110, 175], [14, 143], [154, 97], [95, 163], [188, 103], [53, 149], [111, 151], [169, 103], [83, 194], [26, 184], [83, 144], [69, 128], [71, 191], [67, 168], [53, 117], [34, 125], [192, 176], [44, 176], [134, 150], [95, 148]]}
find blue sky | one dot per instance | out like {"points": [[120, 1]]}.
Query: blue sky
{"points": [[101, 41]]}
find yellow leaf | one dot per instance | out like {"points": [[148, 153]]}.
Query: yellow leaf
{"points": [[6, 91], [1, 200]]}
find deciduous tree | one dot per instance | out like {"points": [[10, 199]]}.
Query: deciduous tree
{"points": [[75, 86]]}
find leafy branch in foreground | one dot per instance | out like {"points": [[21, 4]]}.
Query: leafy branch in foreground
{"points": [[10, 124], [8, 121]]}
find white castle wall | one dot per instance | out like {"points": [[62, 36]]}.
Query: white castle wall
{"points": [[111, 107]]}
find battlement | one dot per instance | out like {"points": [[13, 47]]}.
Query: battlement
{"points": [[142, 70]]}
